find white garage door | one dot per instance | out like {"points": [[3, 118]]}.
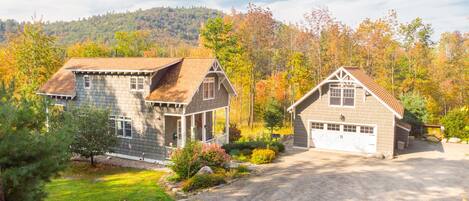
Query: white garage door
{"points": [[344, 137]]}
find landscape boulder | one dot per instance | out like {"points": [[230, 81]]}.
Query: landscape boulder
{"points": [[454, 140], [205, 170]]}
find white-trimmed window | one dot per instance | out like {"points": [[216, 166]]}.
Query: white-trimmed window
{"points": [[342, 95], [86, 82], [316, 125], [333, 127], [136, 83], [121, 125], [366, 129], [350, 128], [208, 87]]}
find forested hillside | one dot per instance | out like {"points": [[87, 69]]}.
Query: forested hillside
{"points": [[163, 23]]}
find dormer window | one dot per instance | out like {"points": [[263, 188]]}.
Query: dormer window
{"points": [[342, 95], [209, 88], [87, 82], [136, 84]]}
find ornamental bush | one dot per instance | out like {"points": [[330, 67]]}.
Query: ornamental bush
{"points": [[214, 156], [186, 161], [262, 156], [456, 123], [203, 181]]}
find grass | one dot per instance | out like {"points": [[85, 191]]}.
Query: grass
{"points": [[80, 182]]}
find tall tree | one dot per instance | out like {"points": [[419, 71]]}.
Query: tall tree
{"points": [[132, 44], [29, 156]]}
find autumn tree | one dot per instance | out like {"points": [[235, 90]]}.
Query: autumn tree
{"points": [[88, 49], [132, 44]]}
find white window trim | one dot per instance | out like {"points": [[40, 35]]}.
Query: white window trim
{"points": [[341, 87], [116, 118], [84, 82], [136, 84], [209, 80]]}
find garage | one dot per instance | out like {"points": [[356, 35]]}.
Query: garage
{"points": [[343, 136]]}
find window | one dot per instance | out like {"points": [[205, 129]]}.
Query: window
{"points": [[122, 126], [317, 125], [366, 129], [209, 88], [335, 96], [87, 81], [333, 127], [342, 95], [350, 128], [136, 83], [349, 95]]}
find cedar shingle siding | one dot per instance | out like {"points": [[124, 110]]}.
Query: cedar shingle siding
{"points": [[367, 110], [111, 90]]}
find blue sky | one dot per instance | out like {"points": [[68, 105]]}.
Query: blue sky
{"points": [[444, 15]]}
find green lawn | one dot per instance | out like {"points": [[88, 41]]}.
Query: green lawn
{"points": [[80, 182]]}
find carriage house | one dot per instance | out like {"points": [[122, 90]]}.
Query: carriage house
{"points": [[156, 104], [349, 112]]}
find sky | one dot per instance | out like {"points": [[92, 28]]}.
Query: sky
{"points": [[444, 15]]}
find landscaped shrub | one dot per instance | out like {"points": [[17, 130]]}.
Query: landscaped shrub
{"points": [[203, 181], [279, 145], [214, 156], [186, 161], [246, 147], [262, 156], [456, 123], [235, 133]]}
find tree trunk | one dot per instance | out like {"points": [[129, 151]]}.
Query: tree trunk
{"points": [[92, 160], [2, 192]]}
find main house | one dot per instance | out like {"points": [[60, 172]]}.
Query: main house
{"points": [[156, 104], [349, 112]]}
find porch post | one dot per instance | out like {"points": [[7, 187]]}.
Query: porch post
{"points": [[227, 123], [193, 127], [204, 126], [183, 131]]}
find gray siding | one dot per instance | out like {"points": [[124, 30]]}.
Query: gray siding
{"points": [[113, 92], [367, 110], [199, 104]]}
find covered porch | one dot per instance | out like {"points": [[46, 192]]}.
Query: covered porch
{"points": [[210, 126]]}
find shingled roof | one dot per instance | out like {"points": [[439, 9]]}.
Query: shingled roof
{"points": [[62, 83], [120, 64], [361, 77], [179, 83], [378, 90]]}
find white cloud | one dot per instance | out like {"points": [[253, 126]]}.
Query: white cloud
{"points": [[444, 16]]}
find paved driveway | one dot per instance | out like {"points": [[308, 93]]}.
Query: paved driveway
{"points": [[427, 172]]}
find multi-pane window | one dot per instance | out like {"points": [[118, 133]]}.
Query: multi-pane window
{"points": [[87, 82], [349, 95], [122, 126], [336, 94], [366, 129], [136, 83], [350, 128], [333, 127], [317, 125], [209, 88], [342, 95]]}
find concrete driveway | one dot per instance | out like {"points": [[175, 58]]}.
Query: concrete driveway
{"points": [[426, 172]]}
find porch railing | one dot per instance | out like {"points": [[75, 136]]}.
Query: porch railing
{"points": [[219, 139]]}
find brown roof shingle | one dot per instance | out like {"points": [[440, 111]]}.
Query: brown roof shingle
{"points": [[181, 81], [375, 88], [120, 64], [61, 83]]}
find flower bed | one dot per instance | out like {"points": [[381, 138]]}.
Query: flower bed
{"points": [[198, 166], [243, 150]]}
